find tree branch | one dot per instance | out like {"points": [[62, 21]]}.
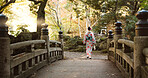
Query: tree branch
{"points": [[56, 16], [5, 5], [94, 23], [6, 1], [35, 2]]}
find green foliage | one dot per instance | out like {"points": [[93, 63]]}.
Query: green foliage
{"points": [[144, 4], [79, 8], [114, 11], [130, 26], [103, 38], [1, 2], [66, 38], [74, 44], [4, 4], [96, 4], [54, 35], [20, 28], [109, 7], [34, 8], [96, 28]]}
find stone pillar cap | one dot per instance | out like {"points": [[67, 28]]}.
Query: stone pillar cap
{"points": [[44, 25], [60, 32], [3, 19], [141, 28], [118, 23], [143, 14], [118, 28], [110, 31]]}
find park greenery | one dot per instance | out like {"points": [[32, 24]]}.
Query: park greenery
{"points": [[71, 16]]}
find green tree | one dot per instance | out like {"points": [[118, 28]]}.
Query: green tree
{"points": [[144, 4], [114, 9], [20, 28], [130, 26]]}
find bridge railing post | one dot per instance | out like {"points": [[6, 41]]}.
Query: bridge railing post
{"points": [[4, 48], [44, 36], [117, 36], [110, 38], [141, 42], [62, 44]]}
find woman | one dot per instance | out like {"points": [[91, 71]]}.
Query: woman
{"points": [[89, 40]]}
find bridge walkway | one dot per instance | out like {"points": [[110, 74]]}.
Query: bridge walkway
{"points": [[76, 65]]}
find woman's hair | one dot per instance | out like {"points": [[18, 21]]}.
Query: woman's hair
{"points": [[89, 28]]}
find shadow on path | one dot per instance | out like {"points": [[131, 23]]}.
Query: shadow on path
{"points": [[76, 65]]}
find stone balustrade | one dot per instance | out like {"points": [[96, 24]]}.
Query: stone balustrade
{"points": [[126, 42], [131, 57], [25, 64], [16, 63], [124, 57], [144, 68], [145, 53]]}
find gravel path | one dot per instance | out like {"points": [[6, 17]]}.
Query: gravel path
{"points": [[76, 65], [82, 56]]}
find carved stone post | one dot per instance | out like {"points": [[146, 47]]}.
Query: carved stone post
{"points": [[110, 38], [44, 36], [44, 32], [62, 44], [141, 41], [117, 36], [4, 48]]}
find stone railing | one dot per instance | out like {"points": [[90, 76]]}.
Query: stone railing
{"points": [[145, 53], [55, 51], [18, 63], [131, 57], [25, 64], [124, 57], [144, 68]]}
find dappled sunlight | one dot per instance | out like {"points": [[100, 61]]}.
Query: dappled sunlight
{"points": [[21, 16], [73, 39]]}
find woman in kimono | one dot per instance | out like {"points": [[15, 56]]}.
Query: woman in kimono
{"points": [[89, 40]]}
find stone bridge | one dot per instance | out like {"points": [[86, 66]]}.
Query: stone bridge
{"points": [[46, 58]]}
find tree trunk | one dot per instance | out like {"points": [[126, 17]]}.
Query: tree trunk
{"points": [[86, 17], [136, 7], [58, 14], [115, 11], [89, 22], [41, 16], [79, 26]]}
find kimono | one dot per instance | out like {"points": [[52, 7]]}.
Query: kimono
{"points": [[89, 40]]}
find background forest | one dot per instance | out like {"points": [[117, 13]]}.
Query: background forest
{"points": [[71, 16]]}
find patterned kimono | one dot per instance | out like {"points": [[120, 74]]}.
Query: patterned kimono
{"points": [[89, 39]]}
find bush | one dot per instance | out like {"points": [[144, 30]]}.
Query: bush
{"points": [[74, 44], [130, 26], [103, 45], [65, 38]]}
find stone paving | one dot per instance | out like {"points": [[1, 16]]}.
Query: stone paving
{"points": [[76, 65]]}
